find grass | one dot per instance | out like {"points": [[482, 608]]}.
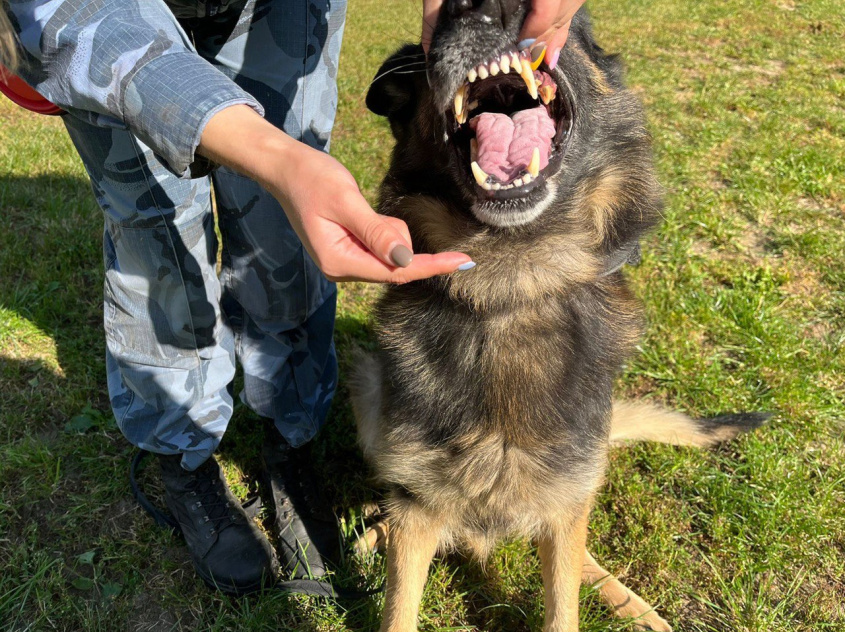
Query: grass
{"points": [[744, 287]]}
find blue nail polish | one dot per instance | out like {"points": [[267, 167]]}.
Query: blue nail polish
{"points": [[469, 265], [525, 43]]}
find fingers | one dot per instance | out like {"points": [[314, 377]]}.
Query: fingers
{"points": [[368, 268], [431, 9], [548, 23], [540, 19], [399, 225], [556, 42], [382, 237]]}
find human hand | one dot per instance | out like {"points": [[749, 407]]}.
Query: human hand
{"points": [[547, 24], [346, 238]]}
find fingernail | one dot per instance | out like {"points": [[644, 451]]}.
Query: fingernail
{"points": [[469, 265], [525, 43], [401, 256], [538, 51], [553, 58]]}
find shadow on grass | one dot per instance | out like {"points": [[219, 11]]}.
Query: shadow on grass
{"points": [[53, 366]]}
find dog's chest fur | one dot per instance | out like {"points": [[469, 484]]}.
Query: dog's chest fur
{"points": [[499, 414]]}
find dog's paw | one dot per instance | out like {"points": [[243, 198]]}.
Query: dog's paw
{"points": [[373, 540], [652, 622]]}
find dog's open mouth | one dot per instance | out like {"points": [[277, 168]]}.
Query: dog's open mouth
{"points": [[510, 125]]}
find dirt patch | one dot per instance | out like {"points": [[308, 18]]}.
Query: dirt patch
{"points": [[148, 616]]}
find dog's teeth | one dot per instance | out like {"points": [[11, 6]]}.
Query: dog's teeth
{"points": [[505, 63], [534, 165], [473, 149], [528, 77], [472, 105], [459, 104], [482, 72], [479, 174], [518, 182], [527, 178], [461, 110], [515, 63], [547, 93], [497, 186], [494, 69], [472, 75]]}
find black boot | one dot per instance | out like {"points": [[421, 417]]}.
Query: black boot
{"points": [[228, 550], [306, 526]]}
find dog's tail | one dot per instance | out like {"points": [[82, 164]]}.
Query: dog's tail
{"points": [[645, 422]]}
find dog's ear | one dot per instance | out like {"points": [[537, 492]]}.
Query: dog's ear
{"points": [[393, 92]]}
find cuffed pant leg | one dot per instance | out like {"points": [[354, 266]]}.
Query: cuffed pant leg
{"points": [[170, 355]]}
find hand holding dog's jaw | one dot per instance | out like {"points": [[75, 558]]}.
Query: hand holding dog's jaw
{"points": [[345, 237], [546, 25]]}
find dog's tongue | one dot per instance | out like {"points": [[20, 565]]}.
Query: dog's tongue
{"points": [[506, 144]]}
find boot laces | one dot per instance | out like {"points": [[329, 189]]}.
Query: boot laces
{"points": [[210, 496]]}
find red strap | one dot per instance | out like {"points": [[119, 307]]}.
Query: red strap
{"points": [[20, 93]]}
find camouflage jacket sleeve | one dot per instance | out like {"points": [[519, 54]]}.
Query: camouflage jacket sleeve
{"points": [[124, 63]]}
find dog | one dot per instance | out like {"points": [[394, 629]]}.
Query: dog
{"points": [[487, 410]]}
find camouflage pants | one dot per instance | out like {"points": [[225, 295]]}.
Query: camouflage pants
{"points": [[174, 328]]}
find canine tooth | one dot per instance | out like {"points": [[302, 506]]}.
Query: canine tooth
{"points": [[515, 63], [534, 165], [482, 72], [505, 63], [479, 174], [472, 75], [473, 148], [518, 182], [530, 81], [459, 104]]}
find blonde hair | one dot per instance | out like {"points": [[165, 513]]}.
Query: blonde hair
{"points": [[8, 40]]}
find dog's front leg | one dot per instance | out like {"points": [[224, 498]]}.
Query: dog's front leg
{"points": [[414, 537], [562, 558]]}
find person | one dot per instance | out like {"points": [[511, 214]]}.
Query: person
{"points": [[163, 101]]}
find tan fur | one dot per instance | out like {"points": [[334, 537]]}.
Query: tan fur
{"points": [[598, 79], [636, 421], [505, 275], [482, 475], [561, 549], [414, 538], [624, 602]]}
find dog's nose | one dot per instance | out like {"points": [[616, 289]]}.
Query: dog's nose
{"points": [[485, 10], [458, 7], [477, 8]]}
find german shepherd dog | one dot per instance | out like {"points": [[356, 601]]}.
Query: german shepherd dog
{"points": [[487, 411]]}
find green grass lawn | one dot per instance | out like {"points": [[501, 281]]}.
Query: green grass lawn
{"points": [[744, 287]]}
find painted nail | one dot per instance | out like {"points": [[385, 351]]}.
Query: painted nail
{"points": [[525, 43], [469, 265], [401, 256], [553, 58], [538, 51]]}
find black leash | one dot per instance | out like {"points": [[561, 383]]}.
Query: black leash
{"points": [[312, 587]]}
